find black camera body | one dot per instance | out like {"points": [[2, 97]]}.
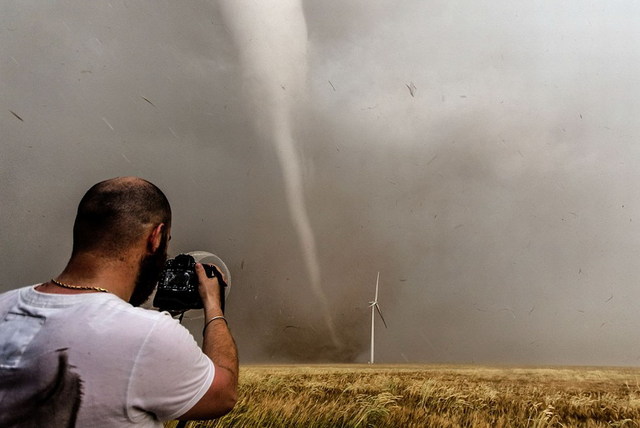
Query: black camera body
{"points": [[178, 285]]}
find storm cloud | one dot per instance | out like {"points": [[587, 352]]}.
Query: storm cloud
{"points": [[480, 155]]}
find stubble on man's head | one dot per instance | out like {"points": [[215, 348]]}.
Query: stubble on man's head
{"points": [[114, 214]]}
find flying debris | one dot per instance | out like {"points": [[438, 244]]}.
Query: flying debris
{"points": [[107, 122], [510, 311], [412, 89], [291, 326], [147, 100], [374, 307], [16, 115]]}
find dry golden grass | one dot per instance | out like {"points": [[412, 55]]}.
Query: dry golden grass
{"points": [[433, 396]]}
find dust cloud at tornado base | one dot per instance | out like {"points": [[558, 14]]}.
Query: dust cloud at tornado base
{"points": [[498, 200]]}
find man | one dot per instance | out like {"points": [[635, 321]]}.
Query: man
{"points": [[76, 351]]}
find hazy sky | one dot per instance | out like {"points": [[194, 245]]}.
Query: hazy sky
{"points": [[482, 155]]}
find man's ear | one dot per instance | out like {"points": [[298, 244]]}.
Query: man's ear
{"points": [[155, 238]]}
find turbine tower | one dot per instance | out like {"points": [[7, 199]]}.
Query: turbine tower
{"points": [[374, 307]]}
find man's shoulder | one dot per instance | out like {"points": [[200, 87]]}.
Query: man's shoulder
{"points": [[8, 298], [4, 294], [145, 323], [13, 292], [124, 313]]}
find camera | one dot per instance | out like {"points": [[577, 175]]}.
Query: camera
{"points": [[178, 285]]}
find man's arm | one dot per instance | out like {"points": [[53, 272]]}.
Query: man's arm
{"points": [[219, 346]]}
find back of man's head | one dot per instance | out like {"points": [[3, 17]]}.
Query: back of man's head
{"points": [[113, 215]]}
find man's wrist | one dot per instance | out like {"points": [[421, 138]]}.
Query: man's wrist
{"points": [[211, 303], [218, 318]]}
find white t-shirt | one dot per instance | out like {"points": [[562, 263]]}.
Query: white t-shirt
{"points": [[95, 360]]}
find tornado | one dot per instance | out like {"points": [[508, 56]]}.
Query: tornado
{"points": [[271, 36]]}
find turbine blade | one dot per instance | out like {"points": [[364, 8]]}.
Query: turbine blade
{"points": [[377, 282], [380, 313]]}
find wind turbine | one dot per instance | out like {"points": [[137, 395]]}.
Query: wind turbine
{"points": [[374, 307]]}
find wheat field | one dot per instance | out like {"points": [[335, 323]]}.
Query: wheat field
{"points": [[433, 396]]}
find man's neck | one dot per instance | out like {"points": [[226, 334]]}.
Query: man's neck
{"points": [[118, 276]]}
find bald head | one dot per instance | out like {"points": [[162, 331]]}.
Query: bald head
{"points": [[114, 214]]}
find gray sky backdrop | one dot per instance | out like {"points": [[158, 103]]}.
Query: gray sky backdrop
{"points": [[500, 200]]}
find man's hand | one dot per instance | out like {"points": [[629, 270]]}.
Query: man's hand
{"points": [[209, 289], [219, 346]]}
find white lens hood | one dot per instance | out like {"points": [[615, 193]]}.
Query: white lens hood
{"points": [[211, 259]]}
